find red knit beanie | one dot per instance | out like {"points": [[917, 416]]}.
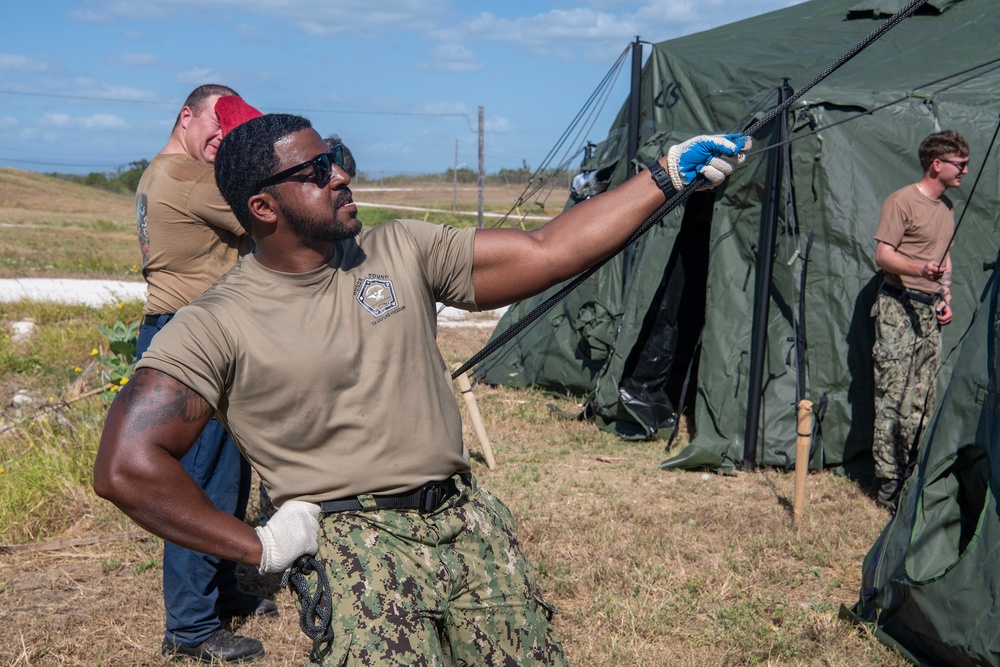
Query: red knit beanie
{"points": [[232, 111]]}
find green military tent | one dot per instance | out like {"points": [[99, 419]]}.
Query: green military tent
{"points": [[759, 294], [930, 583]]}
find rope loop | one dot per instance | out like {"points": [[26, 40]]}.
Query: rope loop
{"points": [[315, 611]]}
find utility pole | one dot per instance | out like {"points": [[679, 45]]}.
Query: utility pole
{"points": [[482, 171], [454, 174]]}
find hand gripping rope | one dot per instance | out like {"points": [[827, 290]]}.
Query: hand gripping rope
{"points": [[316, 610], [686, 192]]}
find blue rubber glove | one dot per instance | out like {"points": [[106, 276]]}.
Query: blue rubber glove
{"points": [[714, 156]]}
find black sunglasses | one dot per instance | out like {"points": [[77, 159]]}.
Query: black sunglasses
{"points": [[322, 168], [961, 166]]}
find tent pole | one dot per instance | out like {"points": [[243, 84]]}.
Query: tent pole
{"points": [[762, 291], [632, 149], [633, 107]]}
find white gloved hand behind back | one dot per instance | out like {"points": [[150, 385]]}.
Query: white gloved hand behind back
{"points": [[714, 156], [292, 532]]}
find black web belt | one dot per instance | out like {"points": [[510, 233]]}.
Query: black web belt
{"points": [[914, 295], [152, 320], [426, 498]]}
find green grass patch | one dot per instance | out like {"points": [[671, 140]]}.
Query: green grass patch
{"points": [[49, 433], [103, 250]]}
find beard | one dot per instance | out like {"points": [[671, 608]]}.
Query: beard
{"points": [[343, 226]]}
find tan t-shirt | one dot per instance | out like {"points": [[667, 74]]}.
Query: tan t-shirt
{"points": [[331, 382], [187, 233], [919, 228]]}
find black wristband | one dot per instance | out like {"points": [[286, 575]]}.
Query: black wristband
{"points": [[661, 178]]}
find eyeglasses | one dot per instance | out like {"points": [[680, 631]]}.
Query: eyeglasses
{"points": [[961, 166], [322, 169]]}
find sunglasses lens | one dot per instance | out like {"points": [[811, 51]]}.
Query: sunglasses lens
{"points": [[323, 170], [338, 155]]}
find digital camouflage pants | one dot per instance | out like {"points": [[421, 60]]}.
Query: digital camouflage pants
{"points": [[449, 588], [906, 357]]}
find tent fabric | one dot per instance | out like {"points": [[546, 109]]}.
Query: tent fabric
{"points": [[931, 582], [854, 139]]}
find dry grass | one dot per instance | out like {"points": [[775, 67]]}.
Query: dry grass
{"points": [[647, 567], [50, 228], [27, 197]]}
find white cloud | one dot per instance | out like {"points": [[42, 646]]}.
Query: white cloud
{"points": [[90, 16], [250, 31], [145, 11], [8, 122], [558, 33], [135, 60], [445, 108], [92, 88], [103, 121], [452, 58], [601, 31], [97, 121], [496, 125], [20, 65], [324, 18], [54, 119], [198, 75]]}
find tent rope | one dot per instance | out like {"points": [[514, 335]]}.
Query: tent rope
{"points": [[968, 201], [586, 117], [686, 191], [913, 94]]}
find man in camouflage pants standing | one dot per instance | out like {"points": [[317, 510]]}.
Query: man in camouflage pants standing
{"points": [[915, 227], [318, 351]]}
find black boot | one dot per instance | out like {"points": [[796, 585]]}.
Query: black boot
{"points": [[222, 645]]}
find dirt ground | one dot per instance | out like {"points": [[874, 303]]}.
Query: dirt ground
{"points": [[102, 605]]}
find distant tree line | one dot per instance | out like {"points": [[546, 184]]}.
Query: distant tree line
{"points": [[125, 179]]}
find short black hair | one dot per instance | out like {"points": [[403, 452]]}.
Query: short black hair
{"points": [[246, 157], [350, 165]]}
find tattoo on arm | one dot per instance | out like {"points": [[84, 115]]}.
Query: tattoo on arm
{"points": [[163, 399], [946, 286]]}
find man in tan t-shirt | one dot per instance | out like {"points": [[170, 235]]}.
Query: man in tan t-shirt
{"points": [[914, 302], [318, 351], [189, 237]]}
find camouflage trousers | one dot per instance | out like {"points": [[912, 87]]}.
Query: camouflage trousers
{"points": [[906, 357], [449, 588]]}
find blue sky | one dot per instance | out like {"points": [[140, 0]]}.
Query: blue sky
{"points": [[91, 85]]}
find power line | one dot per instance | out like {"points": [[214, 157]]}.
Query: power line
{"points": [[61, 164], [122, 100], [87, 97]]}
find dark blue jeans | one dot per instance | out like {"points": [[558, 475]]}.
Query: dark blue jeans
{"points": [[198, 588]]}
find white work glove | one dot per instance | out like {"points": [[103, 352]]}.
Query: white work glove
{"points": [[712, 155], [290, 533]]}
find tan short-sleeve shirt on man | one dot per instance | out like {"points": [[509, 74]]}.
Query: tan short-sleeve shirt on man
{"points": [[188, 235], [331, 381], [919, 228]]}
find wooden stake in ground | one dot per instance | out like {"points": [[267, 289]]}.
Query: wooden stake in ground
{"points": [[477, 419], [803, 435]]}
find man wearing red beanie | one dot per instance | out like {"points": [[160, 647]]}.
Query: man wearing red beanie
{"points": [[189, 238]]}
